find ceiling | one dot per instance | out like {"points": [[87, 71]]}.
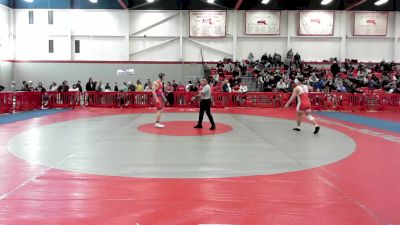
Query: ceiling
{"points": [[368, 5], [361, 5]]}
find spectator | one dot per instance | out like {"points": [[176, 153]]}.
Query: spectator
{"points": [[195, 88], [13, 86], [313, 79], [116, 86], [79, 86], [297, 59], [53, 86], [220, 72], [281, 86], [335, 69], [107, 87], [125, 87], [131, 86], [264, 58], [220, 64], [91, 85], [40, 87], [250, 58], [74, 88], [146, 85], [180, 88], [100, 86], [289, 55], [216, 77], [28, 86], [139, 86], [277, 59], [242, 93], [175, 85], [169, 90], [63, 87], [225, 86], [319, 85], [188, 86], [23, 85], [243, 88]]}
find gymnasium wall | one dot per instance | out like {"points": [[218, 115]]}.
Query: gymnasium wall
{"points": [[6, 71], [162, 36], [122, 35], [6, 51], [106, 72]]}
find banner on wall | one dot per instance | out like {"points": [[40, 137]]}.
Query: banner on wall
{"points": [[370, 23], [263, 22], [316, 23], [126, 72], [207, 23]]}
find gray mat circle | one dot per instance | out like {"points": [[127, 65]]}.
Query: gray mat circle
{"points": [[112, 145]]}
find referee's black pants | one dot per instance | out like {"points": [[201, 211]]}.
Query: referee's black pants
{"points": [[205, 105]]}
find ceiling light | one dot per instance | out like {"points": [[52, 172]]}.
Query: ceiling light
{"points": [[265, 2], [210, 1], [93, 1], [326, 2], [29, 1], [381, 2], [150, 0]]}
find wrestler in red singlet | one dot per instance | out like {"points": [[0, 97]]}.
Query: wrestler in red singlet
{"points": [[158, 95], [303, 104]]}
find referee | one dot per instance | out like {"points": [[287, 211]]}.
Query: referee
{"points": [[205, 104]]}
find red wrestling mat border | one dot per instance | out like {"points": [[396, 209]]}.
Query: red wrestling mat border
{"points": [[361, 189]]}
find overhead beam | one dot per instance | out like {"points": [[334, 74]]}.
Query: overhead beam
{"points": [[154, 46], [154, 24], [238, 4], [218, 5], [209, 47], [122, 4], [355, 4], [143, 4]]}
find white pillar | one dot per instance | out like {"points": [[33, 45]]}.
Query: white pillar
{"points": [[181, 35], [12, 37], [288, 44], [234, 35], [343, 34], [127, 35], [396, 47]]}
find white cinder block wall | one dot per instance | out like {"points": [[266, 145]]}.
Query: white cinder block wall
{"points": [[122, 35]]}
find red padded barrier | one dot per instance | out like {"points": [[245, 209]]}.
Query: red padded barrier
{"points": [[61, 99], [6, 102], [24, 101]]}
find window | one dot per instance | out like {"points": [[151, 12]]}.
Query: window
{"points": [[50, 17], [77, 46], [51, 46], [30, 17]]}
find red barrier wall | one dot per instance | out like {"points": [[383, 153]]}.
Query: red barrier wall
{"points": [[24, 101]]}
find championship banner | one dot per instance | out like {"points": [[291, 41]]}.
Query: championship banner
{"points": [[207, 23], [316, 23], [263, 22], [370, 23]]}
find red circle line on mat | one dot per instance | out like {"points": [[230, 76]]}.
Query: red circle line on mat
{"points": [[184, 128]]}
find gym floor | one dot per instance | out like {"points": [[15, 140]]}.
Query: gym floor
{"points": [[112, 167]]}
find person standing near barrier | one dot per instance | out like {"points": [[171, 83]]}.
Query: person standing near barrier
{"points": [[303, 104], [205, 104], [158, 95]]}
